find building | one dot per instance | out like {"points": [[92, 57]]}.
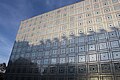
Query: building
{"points": [[76, 42], [2, 71]]}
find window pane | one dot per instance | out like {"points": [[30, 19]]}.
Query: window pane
{"points": [[104, 56], [92, 57], [62, 60], [103, 45], [71, 59], [81, 58], [114, 44], [91, 47]]}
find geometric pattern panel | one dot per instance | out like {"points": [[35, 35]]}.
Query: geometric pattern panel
{"points": [[82, 69], [71, 69], [93, 68], [117, 67], [105, 68]]}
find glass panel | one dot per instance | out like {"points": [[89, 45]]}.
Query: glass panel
{"points": [[82, 69], [62, 60], [93, 68], [116, 55], [81, 48], [114, 44], [81, 58], [103, 45], [105, 68], [71, 59], [53, 61], [92, 57], [104, 56], [117, 67], [63, 51], [46, 61], [101, 36], [72, 50], [91, 47], [107, 78]]}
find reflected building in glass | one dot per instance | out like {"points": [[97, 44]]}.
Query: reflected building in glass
{"points": [[76, 42]]}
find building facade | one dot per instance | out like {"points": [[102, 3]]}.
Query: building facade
{"points": [[76, 42]]}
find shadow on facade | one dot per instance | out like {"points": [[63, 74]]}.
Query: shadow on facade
{"points": [[33, 62]]}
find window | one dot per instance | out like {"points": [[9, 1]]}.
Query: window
{"points": [[87, 8], [80, 31], [110, 24], [71, 40], [103, 45], [98, 19], [91, 47], [108, 17], [71, 59], [114, 44], [101, 36], [93, 69], [48, 44], [38, 61], [22, 55], [89, 21], [107, 10], [107, 78], [55, 51], [90, 29], [91, 38], [118, 15], [46, 61], [112, 34], [62, 60], [33, 54], [61, 70], [114, 1], [55, 43], [92, 57], [63, 42], [95, 0], [81, 48], [116, 55], [79, 17], [81, 58], [80, 39], [105, 3], [117, 68], [72, 50], [71, 69], [71, 32], [46, 53], [96, 6], [53, 61], [88, 14], [80, 23], [105, 68], [104, 56], [63, 51], [82, 69], [52, 71], [93, 78], [97, 12], [117, 7]]}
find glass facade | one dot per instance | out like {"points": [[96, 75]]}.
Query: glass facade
{"points": [[76, 42]]}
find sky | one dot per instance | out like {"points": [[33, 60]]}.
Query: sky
{"points": [[11, 14]]}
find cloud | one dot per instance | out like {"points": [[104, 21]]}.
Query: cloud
{"points": [[5, 49]]}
